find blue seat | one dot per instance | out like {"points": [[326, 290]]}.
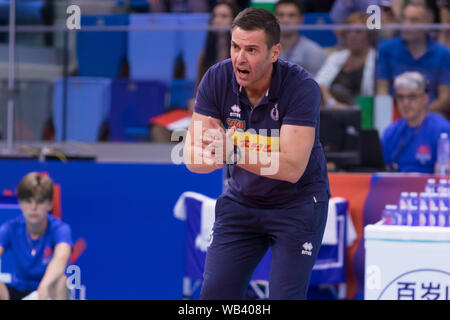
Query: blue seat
{"points": [[325, 38], [31, 110], [100, 54], [193, 41], [152, 53], [87, 107], [133, 103], [181, 91]]}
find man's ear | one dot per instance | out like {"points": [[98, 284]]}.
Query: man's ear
{"points": [[275, 52]]}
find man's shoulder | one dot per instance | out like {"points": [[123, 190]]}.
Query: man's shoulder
{"points": [[224, 67], [439, 48], [217, 75], [56, 223], [438, 122], [394, 127], [293, 72], [14, 223]]}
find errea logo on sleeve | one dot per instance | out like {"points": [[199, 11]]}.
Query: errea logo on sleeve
{"points": [[307, 249]]}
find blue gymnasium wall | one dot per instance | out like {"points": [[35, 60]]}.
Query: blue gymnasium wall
{"points": [[135, 246]]}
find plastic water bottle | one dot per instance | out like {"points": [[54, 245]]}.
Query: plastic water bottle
{"points": [[430, 187], [389, 215], [413, 210], [423, 209], [403, 208], [433, 209], [442, 187], [443, 154], [443, 210]]}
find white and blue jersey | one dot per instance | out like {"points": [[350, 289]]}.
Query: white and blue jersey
{"points": [[31, 257]]}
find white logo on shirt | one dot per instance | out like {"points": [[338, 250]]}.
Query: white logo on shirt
{"points": [[235, 111]]}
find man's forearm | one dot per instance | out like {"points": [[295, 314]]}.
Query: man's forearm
{"points": [[274, 165], [54, 271]]}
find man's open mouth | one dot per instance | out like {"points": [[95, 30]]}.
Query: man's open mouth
{"points": [[243, 71]]}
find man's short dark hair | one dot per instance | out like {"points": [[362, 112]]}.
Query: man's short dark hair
{"points": [[300, 6], [255, 18]]}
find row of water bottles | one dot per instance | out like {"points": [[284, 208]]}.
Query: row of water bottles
{"points": [[428, 208]]}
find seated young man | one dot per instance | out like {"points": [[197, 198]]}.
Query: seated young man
{"points": [[39, 242], [410, 144]]}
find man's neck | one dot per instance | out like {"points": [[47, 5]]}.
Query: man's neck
{"points": [[256, 92], [417, 121], [37, 230], [417, 47]]}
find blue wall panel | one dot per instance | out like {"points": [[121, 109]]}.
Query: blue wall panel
{"points": [[135, 246]]}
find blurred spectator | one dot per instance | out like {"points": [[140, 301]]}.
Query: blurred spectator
{"points": [[317, 5], [343, 8], [296, 48], [349, 73], [414, 50], [217, 48], [40, 244], [444, 12], [410, 144], [387, 17]]}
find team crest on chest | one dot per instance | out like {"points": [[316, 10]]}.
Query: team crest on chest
{"points": [[274, 114]]}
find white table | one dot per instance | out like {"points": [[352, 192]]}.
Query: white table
{"points": [[407, 263]]}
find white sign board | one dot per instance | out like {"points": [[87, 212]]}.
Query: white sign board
{"points": [[407, 263]]}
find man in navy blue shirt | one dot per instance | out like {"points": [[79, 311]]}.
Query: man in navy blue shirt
{"points": [[40, 244], [260, 116], [416, 51], [410, 144]]}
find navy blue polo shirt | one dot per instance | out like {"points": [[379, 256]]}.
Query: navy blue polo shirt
{"points": [[394, 59], [293, 98]]}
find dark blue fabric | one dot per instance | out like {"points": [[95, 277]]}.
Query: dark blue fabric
{"points": [[242, 235]]}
